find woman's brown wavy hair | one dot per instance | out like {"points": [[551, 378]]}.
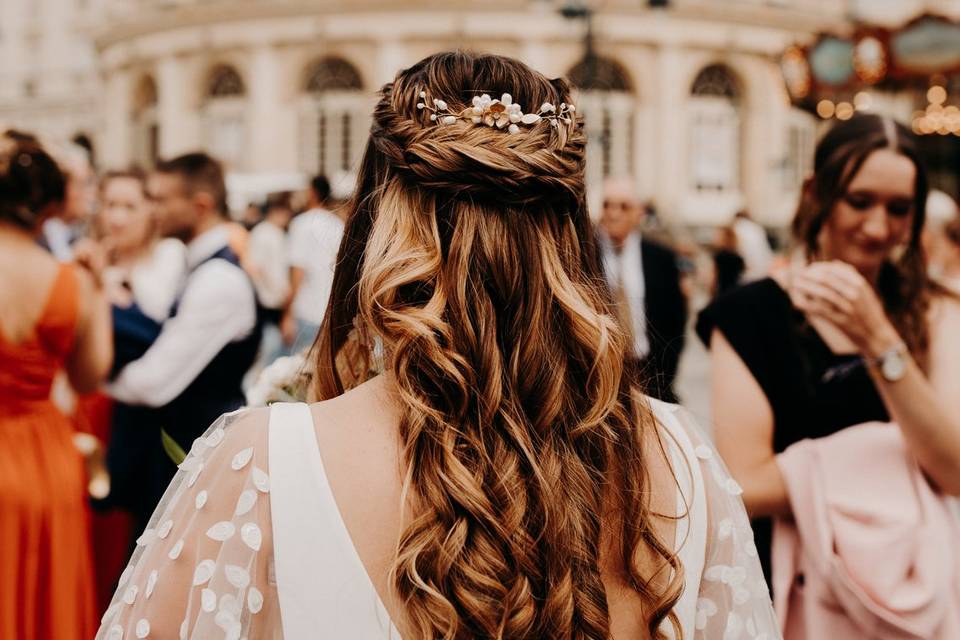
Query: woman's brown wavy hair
{"points": [[904, 285], [468, 257]]}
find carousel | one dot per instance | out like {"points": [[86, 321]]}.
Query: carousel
{"points": [[910, 72]]}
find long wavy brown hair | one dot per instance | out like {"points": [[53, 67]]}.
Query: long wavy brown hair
{"points": [[904, 285], [468, 263]]}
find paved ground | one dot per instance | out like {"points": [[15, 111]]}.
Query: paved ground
{"points": [[693, 379]]}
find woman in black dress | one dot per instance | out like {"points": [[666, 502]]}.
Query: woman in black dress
{"points": [[858, 334]]}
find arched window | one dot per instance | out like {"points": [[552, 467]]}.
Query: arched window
{"points": [[146, 126], [714, 125], [335, 117], [606, 102], [225, 115], [716, 80], [333, 74], [225, 82], [599, 74]]}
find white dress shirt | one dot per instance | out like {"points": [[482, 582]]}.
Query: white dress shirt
{"points": [[314, 241], [267, 259], [157, 278], [218, 306], [625, 269]]}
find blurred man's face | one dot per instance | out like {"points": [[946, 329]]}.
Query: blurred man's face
{"points": [[173, 206], [622, 213]]}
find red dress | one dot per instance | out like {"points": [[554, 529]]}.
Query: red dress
{"points": [[46, 578]]}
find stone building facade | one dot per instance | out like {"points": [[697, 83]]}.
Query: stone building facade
{"points": [[686, 99], [48, 68]]}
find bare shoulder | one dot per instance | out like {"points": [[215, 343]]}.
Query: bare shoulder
{"points": [[370, 407], [944, 322], [357, 433], [944, 308], [360, 447], [28, 266]]}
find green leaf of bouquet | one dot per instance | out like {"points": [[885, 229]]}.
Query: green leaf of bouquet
{"points": [[174, 450]]}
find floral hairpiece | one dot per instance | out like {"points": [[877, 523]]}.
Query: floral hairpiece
{"points": [[497, 113]]}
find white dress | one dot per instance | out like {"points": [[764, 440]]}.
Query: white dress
{"points": [[248, 543]]}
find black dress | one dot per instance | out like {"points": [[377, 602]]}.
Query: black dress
{"points": [[812, 391], [729, 266]]}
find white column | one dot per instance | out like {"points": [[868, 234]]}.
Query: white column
{"points": [[178, 118], [12, 66], [59, 61], [671, 134], [116, 149], [646, 156], [763, 118], [762, 153], [622, 133], [534, 53], [306, 136], [267, 123], [391, 57], [590, 106]]}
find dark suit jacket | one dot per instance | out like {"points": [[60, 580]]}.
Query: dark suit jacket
{"points": [[666, 313], [666, 309]]}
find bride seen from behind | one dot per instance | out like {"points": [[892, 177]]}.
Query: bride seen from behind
{"points": [[504, 477]]}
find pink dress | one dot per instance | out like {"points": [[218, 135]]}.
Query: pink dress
{"points": [[871, 551]]}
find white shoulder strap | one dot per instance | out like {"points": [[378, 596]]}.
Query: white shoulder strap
{"points": [[323, 588]]}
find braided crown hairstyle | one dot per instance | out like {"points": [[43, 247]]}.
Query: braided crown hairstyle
{"points": [[468, 253]]}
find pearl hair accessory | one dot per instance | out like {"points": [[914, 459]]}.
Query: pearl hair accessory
{"points": [[497, 113]]}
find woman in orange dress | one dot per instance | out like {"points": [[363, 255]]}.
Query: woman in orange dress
{"points": [[54, 318]]}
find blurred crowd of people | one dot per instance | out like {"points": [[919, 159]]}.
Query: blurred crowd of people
{"points": [[136, 309]]}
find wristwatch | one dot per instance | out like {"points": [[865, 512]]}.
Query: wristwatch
{"points": [[893, 363]]}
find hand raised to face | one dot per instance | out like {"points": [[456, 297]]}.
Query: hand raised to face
{"points": [[838, 293]]}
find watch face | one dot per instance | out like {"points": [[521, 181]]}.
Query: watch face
{"points": [[893, 366]]}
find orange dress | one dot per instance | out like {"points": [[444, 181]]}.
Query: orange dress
{"points": [[46, 579]]}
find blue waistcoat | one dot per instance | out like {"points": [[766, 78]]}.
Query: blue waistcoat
{"points": [[217, 389]]}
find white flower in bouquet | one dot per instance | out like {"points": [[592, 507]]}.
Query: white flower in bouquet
{"points": [[285, 380]]}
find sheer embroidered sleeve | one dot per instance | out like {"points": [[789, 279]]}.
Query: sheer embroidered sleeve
{"points": [[203, 568], [733, 600]]}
